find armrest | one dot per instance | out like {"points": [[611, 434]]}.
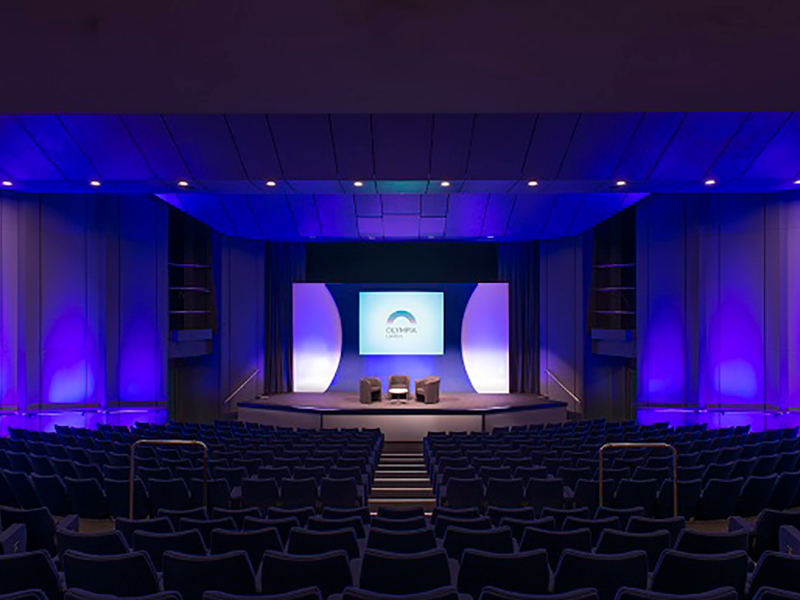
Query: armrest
{"points": [[789, 539], [14, 539], [739, 524], [70, 523]]}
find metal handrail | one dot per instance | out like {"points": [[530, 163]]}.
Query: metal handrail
{"points": [[167, 443], [241, 387], [645, 445], [563, 387]]}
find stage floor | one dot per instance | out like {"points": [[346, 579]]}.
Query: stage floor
{"points": [[340, 401], [409, 421]]}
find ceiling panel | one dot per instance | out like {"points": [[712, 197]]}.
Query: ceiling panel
{"points": [[370, 227], [156, 143], [499, 143], [465, 215], [304, 211], [58, 145], [749, 142], [450, 146], [209, 208], [594, 209], [402, 146], [352, 137], [401, 204], [401, 226], [530, 215], [598, 144], [20, 157], [700, 139], [304, 146], [206, 144], [498, 211], [105, 140], [256, 148], [647, 144], [434, 205], [781, 157], [565, 209], [368, 205], [432, 227], [273, 216], [337, 215], [242, 216], [549, 143]]}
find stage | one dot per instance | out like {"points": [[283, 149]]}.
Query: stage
{"points": [[403, 422]]}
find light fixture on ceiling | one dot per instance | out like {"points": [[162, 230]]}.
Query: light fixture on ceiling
{"points": [[7, 183], [430, 237], [489, 237], [533, 183], [710, 182], [94, 183], [621, 183], [183, 183], [796, 182], [372, 237], [358, 183], [445, 184], [271, 183]]}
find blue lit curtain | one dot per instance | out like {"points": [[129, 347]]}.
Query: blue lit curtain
{"points": [[518, 264], [286, 264]]}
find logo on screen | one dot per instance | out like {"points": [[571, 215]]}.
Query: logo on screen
{"points": [[399, 330]]}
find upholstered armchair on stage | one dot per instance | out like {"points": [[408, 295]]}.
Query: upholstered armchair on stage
{"points": [[427, 390], [399, 382], [370, 390]]}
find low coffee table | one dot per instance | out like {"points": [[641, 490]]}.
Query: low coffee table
{"points": [[398, 393]]}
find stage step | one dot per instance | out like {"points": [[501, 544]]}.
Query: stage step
{"points": [[401, 480]]}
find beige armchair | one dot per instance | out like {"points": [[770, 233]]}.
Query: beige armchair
{"points": [[370, 390], [400, 382], [427, 390]]}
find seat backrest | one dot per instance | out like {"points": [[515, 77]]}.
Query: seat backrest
{"points": [[128, 526], [653, 543], [281, 573], [399, 524], [521, 572], [192, 575], [87, 497], [156, 544], [701, 542], [495, 593], [206, 526], [299, 493], [176, 515], [721, 593], [306, 593], [283, 526], [388, 573], [126, 574], [776, 570], [307, 541], [328, 524], [402, 542], [443, 523], [518, 526], [105, 542], [38, 524], [498, 540], [673, 525], [254, 542], [29, 571], [555, 542], [605, 573], [684, 573], [497, 513]]}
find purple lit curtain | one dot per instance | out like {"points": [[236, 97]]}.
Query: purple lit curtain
{"points": [[286, 264], [518, 265]]}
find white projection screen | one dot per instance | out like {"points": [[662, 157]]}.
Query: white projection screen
{"points": [[401, 323]]}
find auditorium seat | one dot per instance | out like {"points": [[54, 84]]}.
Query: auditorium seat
{"points": [[561, 514], [254, 542], [318, 523], [653, 543], [282, 573], [721, 593], [521, 572], [282, 526], [104, 542], [683, 573], [306, 593], [124, 574], [127, 527], [595, 526], [307, 541], [192, 575], [388, 573], [29, 571], [776, 570], [606, 573], [555, 542], [156, 544], [206, 526]]}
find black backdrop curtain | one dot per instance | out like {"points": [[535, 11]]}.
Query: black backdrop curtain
{"points": [[518, 264], [285, 264]]}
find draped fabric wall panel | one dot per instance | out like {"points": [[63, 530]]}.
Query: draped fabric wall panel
{"points": [[286, 264], [518, 264]]}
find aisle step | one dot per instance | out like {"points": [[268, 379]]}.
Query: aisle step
{"points": [[401, 479]]}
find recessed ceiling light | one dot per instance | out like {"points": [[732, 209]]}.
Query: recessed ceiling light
{"points": [[271, 183], [445, 184], [372, 237], [183, 183], [796, 182], [94, 183], [358, 183], [621, 183], [489, 237], [312, 237], [430, 237], [533, 183], [7, 183], [710, 182]]}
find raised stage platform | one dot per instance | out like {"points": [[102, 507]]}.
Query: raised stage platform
{"points": [[403, 422]]}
